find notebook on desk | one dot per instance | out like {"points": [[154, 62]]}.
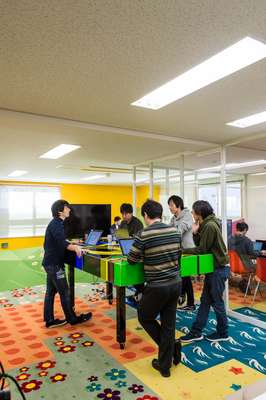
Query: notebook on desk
{"points": [[257, 246], [125, 245], [92, 239]]}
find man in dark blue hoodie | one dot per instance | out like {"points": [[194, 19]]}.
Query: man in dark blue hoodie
{"points": [[55, 247]]}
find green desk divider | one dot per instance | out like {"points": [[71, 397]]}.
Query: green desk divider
{"points": [[206, 264], [189, 265], [127, 275]]}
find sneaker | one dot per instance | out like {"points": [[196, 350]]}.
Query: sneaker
{"points": [[55, 323], [155, 365], [187, 308], [131, 300], [190, 337], [215, 337], [82, 318], [181, 299]]}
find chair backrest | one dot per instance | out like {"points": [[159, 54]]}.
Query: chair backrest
{"points": [[261, 269], [236, 263]]}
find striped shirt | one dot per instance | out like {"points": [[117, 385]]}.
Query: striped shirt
{"points": [[157, 246]]}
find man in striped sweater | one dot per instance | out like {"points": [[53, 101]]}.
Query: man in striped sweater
{"points": [[158, 246]]}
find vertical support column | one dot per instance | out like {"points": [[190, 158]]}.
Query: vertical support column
{"points": [[244, 202], [151, 181], [134, 190], [182, 185], [224, 214], [167, 183], [196, 187]]}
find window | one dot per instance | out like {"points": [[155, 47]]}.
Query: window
{"points": [[212, 194], [25, 210]]}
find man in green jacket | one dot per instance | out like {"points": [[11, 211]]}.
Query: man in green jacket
{"points": [[208, 239]]}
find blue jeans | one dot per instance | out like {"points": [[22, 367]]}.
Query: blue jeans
{"points": [[212, 295], [57, 283]]}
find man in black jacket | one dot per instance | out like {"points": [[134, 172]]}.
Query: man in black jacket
{"points": [[131, 223], [55, 247]]}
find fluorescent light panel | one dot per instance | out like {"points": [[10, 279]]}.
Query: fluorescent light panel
{"points": [[241, 54], [93, 177], [17, 173], [235, 165], [60, 151], [254, 119]]}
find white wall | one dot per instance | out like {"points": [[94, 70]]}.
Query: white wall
{"points": [[256, 206]]}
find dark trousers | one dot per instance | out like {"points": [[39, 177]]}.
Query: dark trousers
{"points": [[57, 283], [187, 289], [212, 295], [160, 300]]}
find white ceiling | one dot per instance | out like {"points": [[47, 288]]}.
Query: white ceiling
{"points": [[88, 60]]}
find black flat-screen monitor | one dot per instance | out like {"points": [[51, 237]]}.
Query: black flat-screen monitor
{"points": [[85, 217]]}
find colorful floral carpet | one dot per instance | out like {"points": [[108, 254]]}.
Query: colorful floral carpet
{"points": [[85, 362]]}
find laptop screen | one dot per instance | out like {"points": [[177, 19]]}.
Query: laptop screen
{"points": [[93, 238], [257, 246], [121, 233], [125, 245]]}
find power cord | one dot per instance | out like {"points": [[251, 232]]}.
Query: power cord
{"points": [[5, 394]]}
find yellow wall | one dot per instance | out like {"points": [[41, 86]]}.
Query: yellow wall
{"points": [[85, 194]]}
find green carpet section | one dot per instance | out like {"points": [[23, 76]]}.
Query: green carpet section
{"points": [[22, 268]]}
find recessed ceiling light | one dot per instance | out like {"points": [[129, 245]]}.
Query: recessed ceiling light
{"points": [[241, 54], [17, 173], [60, 151], [254, 119], [93, 177]]}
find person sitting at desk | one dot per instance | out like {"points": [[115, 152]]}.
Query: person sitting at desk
{"points": [[115, 226], [244, 247], [158, 246], [182, 220], [208, 239], [55, 246], [131, 223]]}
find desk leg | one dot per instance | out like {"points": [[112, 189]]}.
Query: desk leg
{"points": [[71, 282], [120, 316], [109, 292]]}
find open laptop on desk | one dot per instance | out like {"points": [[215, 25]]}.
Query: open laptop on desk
{"points": [[257, 246], [125, 245], [92, 239], [121, 234]]}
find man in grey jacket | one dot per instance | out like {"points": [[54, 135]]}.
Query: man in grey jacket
{"points": [[182, 220]]}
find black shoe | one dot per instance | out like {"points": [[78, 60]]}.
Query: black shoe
{"points": [[55, 323], [165, 373], [181, 299], [187, 308], [190, 337], [177, 352], [81, 318], [215, 337]]}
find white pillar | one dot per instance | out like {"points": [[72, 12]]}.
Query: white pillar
{"points": [[151, 181], [223, 193], [244, 205], [134, 190], [196, 187], [167, 183], [182, 163], [224, 215]]}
